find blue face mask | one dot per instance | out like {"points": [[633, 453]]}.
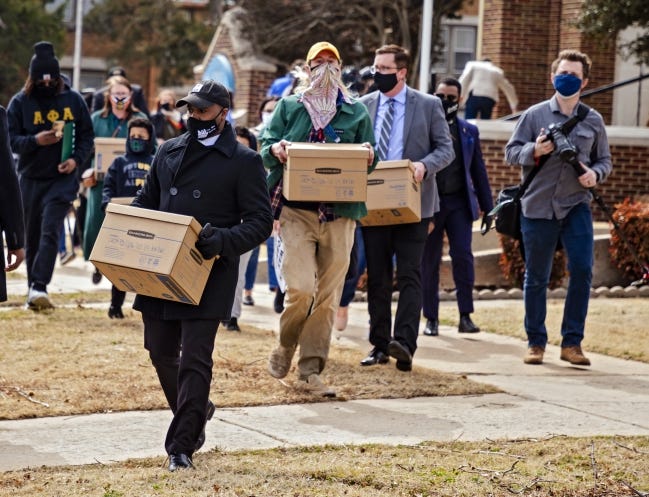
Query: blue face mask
{"points": [[568, 85]]}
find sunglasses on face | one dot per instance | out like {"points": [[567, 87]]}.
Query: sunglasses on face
{"points": [[442, 96]]}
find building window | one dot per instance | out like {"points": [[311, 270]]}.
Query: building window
{"points": [[458, 47]]}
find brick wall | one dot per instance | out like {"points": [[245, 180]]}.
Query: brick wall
{"points": [[523, 37], [252, 79], [629, 151]]}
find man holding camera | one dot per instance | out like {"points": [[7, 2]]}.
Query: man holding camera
{"points": [[556, 206]]}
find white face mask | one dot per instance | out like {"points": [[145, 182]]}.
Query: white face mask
{"points": [[265, 118]]}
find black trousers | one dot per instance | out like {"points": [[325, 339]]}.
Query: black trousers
{"points": [[46, 203], [383, 244], [185, 378]]}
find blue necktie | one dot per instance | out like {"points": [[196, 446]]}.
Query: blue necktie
{"points": [[386, 127]]}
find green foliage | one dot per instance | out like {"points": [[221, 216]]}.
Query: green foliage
{"points": [[24, 22], [633, 219], [512, 264], [604, 19], [153, 32]]}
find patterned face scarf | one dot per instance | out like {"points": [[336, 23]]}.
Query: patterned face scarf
{"points": [[320, 97]]}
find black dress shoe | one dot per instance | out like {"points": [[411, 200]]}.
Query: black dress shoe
{"points": [[210, 413], [278, 302], [232, 325], [432, 328], [467, 326], [401, 354], [180, 461], [115, 312], [376, 356]]}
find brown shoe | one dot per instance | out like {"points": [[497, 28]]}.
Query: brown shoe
{"points": [[534, 355], [280, 361], [574, 355]]}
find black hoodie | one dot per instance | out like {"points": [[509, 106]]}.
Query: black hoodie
{"points": [[29, 115]]}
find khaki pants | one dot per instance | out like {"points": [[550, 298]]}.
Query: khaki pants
{"points": [[314, 266]]}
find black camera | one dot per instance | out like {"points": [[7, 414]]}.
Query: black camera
{"points": [[562, 144]]}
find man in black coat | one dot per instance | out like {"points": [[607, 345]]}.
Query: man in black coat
{"points": [[11, 209], [207, 174]]}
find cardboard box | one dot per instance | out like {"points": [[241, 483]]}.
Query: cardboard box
{"points": [[393, 195], [326, 172], [106, 149], [151, 253], [122, 200]]}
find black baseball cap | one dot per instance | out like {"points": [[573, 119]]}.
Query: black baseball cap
{"points": [[206, 93]]}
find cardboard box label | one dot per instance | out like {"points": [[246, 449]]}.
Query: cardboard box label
{"points": [[326, 172]]}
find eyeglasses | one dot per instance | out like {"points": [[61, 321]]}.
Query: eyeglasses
{"points": [[120, 95], [382, 69], [442, 96]]}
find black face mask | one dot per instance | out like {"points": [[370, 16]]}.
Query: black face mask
{"points": [[44, 91], [201, 130], [450, 108], [385, 82]]}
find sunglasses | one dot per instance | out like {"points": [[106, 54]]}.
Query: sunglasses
{"points": [[442, 96]]}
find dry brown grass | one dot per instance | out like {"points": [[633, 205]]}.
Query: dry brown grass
{"points": [[559, 466], [615, 327], [75, 360]]}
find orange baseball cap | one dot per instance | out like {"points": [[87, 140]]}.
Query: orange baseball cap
{"points": [[320, 47]]}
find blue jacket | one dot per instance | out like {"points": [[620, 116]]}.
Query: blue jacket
{"points": [[475, 173]]}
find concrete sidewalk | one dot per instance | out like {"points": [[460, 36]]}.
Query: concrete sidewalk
{"points": [[609, 398]]}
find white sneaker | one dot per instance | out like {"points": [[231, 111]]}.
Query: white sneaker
{"points": [[340, 321], [37, 300], [316, 386]]}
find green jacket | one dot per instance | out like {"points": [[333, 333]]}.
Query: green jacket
{"points": [[292, 122]]}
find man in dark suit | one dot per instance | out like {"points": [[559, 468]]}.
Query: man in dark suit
{"points": [[207, 174], [408, 124], [11, 209], [463, 192]]}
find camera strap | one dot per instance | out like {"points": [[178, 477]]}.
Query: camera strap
{"points": [[567, 127], [582, 112]]}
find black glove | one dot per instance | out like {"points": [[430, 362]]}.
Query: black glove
{"points": [[487, 220], [210, 241]]}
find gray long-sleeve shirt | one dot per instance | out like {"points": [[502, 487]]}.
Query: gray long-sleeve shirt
{"points": [[555, 190]]}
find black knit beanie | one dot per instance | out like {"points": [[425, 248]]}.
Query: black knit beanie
{"points": [[44, 65]]}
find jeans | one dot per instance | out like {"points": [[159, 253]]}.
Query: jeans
{"points": [[478, 105], [356, 268], [540, 237], [251, 269]]}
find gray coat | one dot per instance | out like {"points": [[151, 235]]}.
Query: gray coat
{"points": [[426, 138]]}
